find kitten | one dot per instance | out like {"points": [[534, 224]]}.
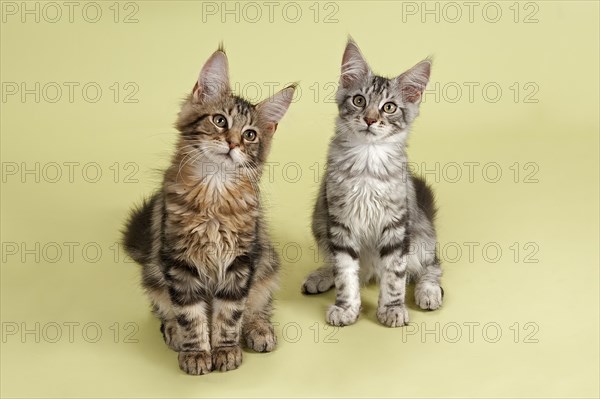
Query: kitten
{"points": [[371, 211], [208, 265]]}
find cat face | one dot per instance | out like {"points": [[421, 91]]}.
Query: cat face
{"points": [[375, 107], [221, 128], [228, 130]]}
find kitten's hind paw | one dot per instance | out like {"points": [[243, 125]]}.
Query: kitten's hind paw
{"points": [[227, 358], [172, 335], [195, 363], [260, 337], [338, 316], [393, 316], [429, 296], [319, 281]]}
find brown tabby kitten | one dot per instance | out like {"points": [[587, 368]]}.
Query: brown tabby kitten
{"points": [[208, 265]]}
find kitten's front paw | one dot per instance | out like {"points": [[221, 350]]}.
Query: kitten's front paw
{"points": [[260, 337], [195, 363], [227, 358], [429, 297], [338, 316], [393, 316]]}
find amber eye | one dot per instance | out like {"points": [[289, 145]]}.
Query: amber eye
{"points": [[249, 135], [389, 108], [220, 120], [359, 101]]}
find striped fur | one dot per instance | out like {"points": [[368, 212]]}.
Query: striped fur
{"points": [[373, 218], [208, 265]]}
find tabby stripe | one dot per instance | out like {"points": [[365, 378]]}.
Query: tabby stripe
{"points": [[186, 129], [237, 314], [400, 274], [335, 223], [393, 247], [341, 303], [169, 261], [183, 321], [396, 224], [185, 297], [403, 116], [350, 251], [397, 302], [232, 296]]}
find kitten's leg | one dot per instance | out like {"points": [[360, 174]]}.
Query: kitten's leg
{"points": [[424, 264], [428, 292], [344, 256], [319, 281], [228, 308], [195, 356], [226, 327], [157, 290], [190, 307], [346, 309], [257, 330], [162, 308], [391, 307]]}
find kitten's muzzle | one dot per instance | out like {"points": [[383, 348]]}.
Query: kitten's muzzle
{"points": [[370, 120], [232, 145]]}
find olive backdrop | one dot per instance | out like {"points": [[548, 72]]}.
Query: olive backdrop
{"points": [[508, 137]]}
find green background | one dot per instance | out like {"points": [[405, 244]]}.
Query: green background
{"points": [[540, 132]]}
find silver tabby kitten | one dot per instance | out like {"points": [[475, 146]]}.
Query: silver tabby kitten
{"points": [[373, 219]]}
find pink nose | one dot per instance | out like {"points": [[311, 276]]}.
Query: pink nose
{"points": [[233, 145], [370, 121]]}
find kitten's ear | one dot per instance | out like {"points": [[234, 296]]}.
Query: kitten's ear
{"points": [[273, 108], [354, 67], [214, 77], [413, 82]]}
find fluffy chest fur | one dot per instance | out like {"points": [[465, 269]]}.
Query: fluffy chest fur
{"points": [[211, 222], [366, 187]]}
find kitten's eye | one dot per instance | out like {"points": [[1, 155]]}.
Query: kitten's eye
{"points": [[359, 101], [249, 135], [389, 108], [220, 120]]}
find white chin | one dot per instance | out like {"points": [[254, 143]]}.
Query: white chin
{"points": [[217, 156], [236, 157]]}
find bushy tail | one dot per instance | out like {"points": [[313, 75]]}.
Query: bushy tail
{"points": [[425, 197], [137, 235]]}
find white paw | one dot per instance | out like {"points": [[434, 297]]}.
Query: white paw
{"points": [[337, 316], [317, 282], [429, 296], [393, 316]]}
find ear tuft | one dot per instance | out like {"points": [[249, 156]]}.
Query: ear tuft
{"points": [[214, 77], [354, 67]]}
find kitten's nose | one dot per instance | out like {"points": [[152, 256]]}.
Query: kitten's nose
{"points": [[370, 121], [232, 145]]}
